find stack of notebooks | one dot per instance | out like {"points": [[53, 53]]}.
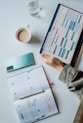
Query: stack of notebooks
{"points": [[64, 37]]}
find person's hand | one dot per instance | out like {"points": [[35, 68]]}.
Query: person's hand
{"points": [[52, 61]]}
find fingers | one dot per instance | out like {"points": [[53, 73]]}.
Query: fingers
{"points": [[47, 59], [43, 57]]}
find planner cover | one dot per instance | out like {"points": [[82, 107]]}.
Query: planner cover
{"points": [[64, 37], [33, 97]]}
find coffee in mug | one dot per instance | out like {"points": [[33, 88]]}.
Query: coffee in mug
{"points": [[23, 35]]}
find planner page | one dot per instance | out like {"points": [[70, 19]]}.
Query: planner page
{"points": [[29, 82], [63, 34], [36, 107]]}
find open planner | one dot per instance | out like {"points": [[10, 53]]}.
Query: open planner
{"points": [[33, 97], [64, 37]]}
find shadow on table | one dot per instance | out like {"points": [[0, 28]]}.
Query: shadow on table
{"points": [[35, 40]]}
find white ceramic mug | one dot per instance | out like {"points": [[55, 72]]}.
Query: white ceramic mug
{"points": [[23, 35]]}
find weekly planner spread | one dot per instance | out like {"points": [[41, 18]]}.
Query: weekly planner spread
{"points": [[63, 34], [33, 97]]}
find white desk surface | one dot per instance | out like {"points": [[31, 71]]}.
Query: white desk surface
{"points": [[13, 15]]}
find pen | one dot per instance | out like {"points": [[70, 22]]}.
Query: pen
{"points": [[31, 94]]}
